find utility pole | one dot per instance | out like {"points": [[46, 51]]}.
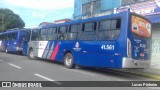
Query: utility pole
{"points": [[92, 3]]}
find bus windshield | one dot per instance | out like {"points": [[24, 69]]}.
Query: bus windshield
{"points": [[140, 26]]}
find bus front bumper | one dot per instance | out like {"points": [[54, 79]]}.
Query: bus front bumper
{"points": [[131, 63]]}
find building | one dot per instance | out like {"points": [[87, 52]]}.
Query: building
{"points": [[148, 8], [91, 8]]}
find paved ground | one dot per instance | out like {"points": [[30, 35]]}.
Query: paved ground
{"points": [[20, 68]]}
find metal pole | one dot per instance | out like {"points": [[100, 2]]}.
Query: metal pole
{"points": [[92, 2]]}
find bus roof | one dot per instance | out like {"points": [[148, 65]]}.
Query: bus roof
{"points": [[121, 14], [11, 31]]}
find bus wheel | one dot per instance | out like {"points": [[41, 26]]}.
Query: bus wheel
{"points": [[31, 55], [68, 61]]}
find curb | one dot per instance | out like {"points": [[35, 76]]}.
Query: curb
{"points": [[143, 74]]}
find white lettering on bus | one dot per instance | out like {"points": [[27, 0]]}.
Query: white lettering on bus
{"points": [[107, 47]]}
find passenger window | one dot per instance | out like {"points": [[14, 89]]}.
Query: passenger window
{"points": [[27, 35], [105, 25], [109, 29], [89, 26], [74, 28], [63, 29], [9, 36], [73, 32], [52, 34], [6, 36], [62, 34], [14, 36], [88, 31], [34, 36], [43, 35], [2, 36]]}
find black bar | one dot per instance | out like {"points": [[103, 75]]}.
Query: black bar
{"points": [[80, 84]]}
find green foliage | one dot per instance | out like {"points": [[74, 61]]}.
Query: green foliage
{"points": [[9, 20]]}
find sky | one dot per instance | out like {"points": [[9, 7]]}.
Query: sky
{"points": [[33, 12]]}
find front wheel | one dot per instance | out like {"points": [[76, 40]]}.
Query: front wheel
{"points": [[31, 55], [69, 61]]}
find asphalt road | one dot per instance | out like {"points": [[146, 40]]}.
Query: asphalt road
{"points": [[20, 68]]}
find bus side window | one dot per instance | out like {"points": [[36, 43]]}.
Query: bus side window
{"points": [[34, 36], [109, 29], [62, 33], [43, 35], [15, 36], [88, 31], [6, 36], [52, 34], [10, 36], [3, 37], [26, 36], [73, 32]]}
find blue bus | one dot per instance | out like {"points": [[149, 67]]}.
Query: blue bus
{"points": [[11, 40], [119, 41]]}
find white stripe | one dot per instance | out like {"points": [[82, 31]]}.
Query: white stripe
{"points": [[14, 65], [48, 79]]}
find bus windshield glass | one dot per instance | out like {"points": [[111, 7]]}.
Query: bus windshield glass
{"points": [[140, 26]]}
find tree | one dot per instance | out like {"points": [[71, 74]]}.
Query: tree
{"points": [[9, 20]]}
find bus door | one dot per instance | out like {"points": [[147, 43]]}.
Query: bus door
{"points": [[51, 45], [34, 43], [43, 43], [26, 39]]}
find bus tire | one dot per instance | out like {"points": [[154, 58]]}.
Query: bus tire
{"points": [[31, 55], [69, 61]]}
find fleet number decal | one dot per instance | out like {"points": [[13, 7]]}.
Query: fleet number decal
{"points": [[107, 47]]}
